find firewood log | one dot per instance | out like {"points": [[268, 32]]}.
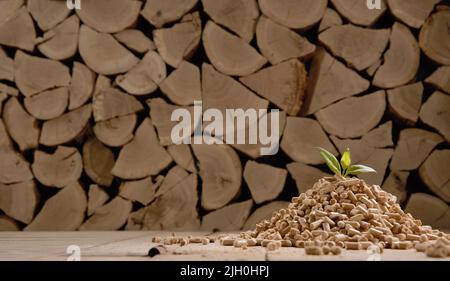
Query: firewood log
{"points": [[48, 104], [97, 197], [301, 138], [22, 127], [221, 173], [160, 12], [435, 112], [300, 14], [34, 75], [175, 175], [435, 173], [48, 13], [374, 68], [17, 30], [19, 200], [405, 102], [231, 217], [13, 167], [330, 81], [434, 37], [339, 118], [359, 47], [278, 43], [283, 84], [331, 18], [98, 50], [142, 191], [179, 42], [61, 42], [440, 79], [264, 213], [356, 11], [238, 16], [111, 216], [413, 13], [64, 211], [8, 224], [429, 209], [378, 160], [81, 86], [10, 91], [396, 184], [264, 181], [58, 169], [109, 16], [230, 54], [305, 176], [98, 161], [143, 156], [135, 40], [116, 132], [183, 85], [413, 147], [7, 69], [66, 127], [182, 155], [113, 103], [3, 98]]}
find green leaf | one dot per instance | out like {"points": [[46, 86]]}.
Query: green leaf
{"points": [[331, 161], [346, 161], [360, 169]]}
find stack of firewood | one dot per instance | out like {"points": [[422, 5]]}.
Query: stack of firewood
{"points": [[86, 98]]}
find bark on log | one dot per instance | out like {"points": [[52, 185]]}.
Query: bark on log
{"points": [[183, 85], [135, 40], [18, 30], [264, 213], [98, 161], [434, 38], [356, 11], [413, 13], [48, 104], [440, 79], [116, 132], [405, 102], [331, 18], [19, 200], [160, 12], [81, 86], [231, 217], [435, 112], [64, 211], [396, 184], [59, 169], [435, 173], [97, 198], [182, 155], [305, 176], [111, 216], [48, 13], [430, 210], [142, 191], [113, 103]]}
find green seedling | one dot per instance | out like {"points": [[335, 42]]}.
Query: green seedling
{"points": [[344, 167]]}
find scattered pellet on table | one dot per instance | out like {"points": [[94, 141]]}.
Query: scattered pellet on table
{"points": [[313, 250], [273, 245]]}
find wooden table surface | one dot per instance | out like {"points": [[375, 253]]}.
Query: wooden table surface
{"points": [[124, 246]]}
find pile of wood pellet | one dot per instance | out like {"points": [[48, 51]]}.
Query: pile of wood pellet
{"points": [[340, 213]]}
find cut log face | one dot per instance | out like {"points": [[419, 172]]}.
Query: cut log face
{"points": [[435, 173], [396, 184], [330, 81], [99, 50], [278, 43], [283, 84], [405, 102], [64, 211], [264, 213], [22, 127], [97, 198], [160, 12], [135, 40], [48, 13], [297, 14], [305, 176], [230, 54], [10, 91], [182, 155], [331, 18], [111, 216], [61, 42], [5, 140], [221, 172], [401, 61], [7, 66], [238, 16], [339, 118], [359, 47], [144, 78], [111, 103], [66, 127], [98, 162], [19, 200], [59, 169], [379, 137], [180, 41], [413, 13], [48, 104], [8, 8], [175, 210], [265, 182], [434, 38], [231, 217], [373, 68], [13, 168], [173, 177], [183, 86], [356, 11], [435, 112], [143, 156], [142, 191], [429, 209], [34, 75], [109, 16], [379, 160], [8, 224], [413, 148], [81, 86], [116, 132], [3, 97], [18, 30], [301, 138], [440, 79]]}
